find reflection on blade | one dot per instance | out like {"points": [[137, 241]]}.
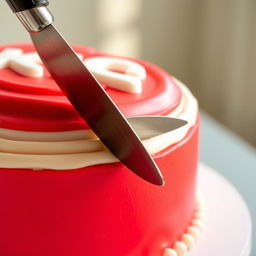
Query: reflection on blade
{"points": [[93, 104]]}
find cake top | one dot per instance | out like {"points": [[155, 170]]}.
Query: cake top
{"points": [[37, 103], [41, 130]]}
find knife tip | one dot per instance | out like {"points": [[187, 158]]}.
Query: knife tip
{"points": [[159, 182], [157, 178]]}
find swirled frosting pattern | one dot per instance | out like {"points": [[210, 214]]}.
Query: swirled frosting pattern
{"points": [[41, 130]]}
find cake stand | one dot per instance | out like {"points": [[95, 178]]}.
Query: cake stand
{"points": [[227, 230]]}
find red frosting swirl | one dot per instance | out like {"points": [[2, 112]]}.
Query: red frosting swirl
{"points": [[38, 104]]}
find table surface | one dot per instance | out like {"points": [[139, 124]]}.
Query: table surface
{"points": [[233, 158]]}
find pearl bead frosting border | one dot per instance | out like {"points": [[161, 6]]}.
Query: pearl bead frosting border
{"points": [[188, 239]]}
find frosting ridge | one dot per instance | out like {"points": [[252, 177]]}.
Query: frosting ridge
{"points": [[76, 149], [41, 130]]}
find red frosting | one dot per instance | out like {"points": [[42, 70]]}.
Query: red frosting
{"points": [[98, 210], [37, 104]]}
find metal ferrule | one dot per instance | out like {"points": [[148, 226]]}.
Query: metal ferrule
{"points": [[35, 19]]}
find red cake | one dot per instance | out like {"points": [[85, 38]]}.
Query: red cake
{"points": [[62, 193]]}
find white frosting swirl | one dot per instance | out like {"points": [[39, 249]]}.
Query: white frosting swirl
{"points": [[77, 149]]}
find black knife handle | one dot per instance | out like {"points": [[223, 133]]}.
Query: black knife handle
{"points": [[22, 5], [33, 14]]}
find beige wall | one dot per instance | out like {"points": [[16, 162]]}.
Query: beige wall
{"points": [[209, 44], [74, 21]]}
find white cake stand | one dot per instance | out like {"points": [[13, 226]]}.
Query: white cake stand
{"points": [[228, 228]]}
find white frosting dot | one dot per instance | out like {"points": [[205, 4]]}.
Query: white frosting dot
{"points": [[198, 223], [194, 231], [200, 207], [200, 215], [180, 248], [200, 200], [170, 252], [189, 240]]}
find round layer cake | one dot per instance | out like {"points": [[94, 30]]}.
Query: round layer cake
{"points": [[63, 193]]}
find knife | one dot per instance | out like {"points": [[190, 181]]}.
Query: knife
{"points": [[147, 127], [83, 90]]}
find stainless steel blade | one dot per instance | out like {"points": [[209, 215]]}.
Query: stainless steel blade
{"points": [[150, 126], [93, 104]]}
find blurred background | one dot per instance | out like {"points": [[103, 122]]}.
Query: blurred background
{"points": [[210, 45]]}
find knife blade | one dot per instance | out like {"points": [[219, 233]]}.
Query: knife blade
{"points": [[83, 91], [147, 127]]}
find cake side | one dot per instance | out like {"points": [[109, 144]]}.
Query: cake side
{"points": [[102, 209]]}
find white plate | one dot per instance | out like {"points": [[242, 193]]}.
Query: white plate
{"points": [[228, 228]]}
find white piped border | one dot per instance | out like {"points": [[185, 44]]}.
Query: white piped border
{"points": [[189, 238]]}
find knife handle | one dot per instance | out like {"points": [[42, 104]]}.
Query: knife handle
{"points": [[22, 5], [33, 14]]}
